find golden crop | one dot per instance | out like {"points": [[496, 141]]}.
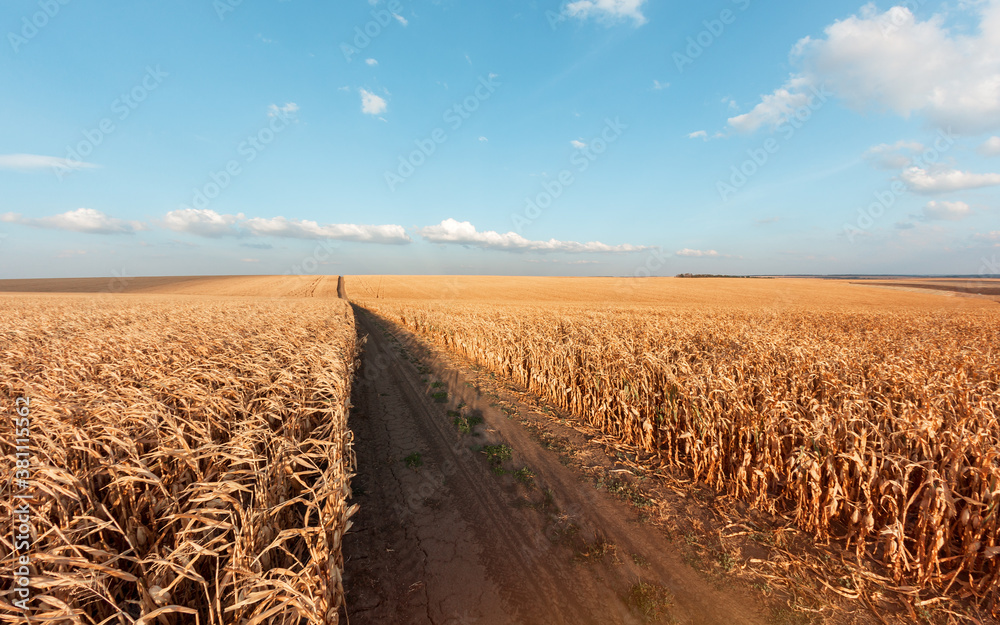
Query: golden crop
{"points": [[876, 426], [191, 454]]}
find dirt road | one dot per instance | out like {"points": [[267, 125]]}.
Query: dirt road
{"points": [[447, 536]]}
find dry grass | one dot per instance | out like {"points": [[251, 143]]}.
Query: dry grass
{"points": [[192, 457], [873, 421]]}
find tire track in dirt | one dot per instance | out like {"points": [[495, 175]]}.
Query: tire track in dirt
{"points": [[311, 289], [411, 557], [449, 542]]}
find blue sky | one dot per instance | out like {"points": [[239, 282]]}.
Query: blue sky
{"points": [[590, 137]]}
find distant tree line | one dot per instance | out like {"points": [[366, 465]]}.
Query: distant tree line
{"points": [[714, 275]]}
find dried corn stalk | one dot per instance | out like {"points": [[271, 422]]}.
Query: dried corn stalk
{"points": [[879, 428], [192, 457]]}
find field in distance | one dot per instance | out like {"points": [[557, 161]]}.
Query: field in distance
{"points": [[984, 287], [766, 293], [810, 293], [230, 286]]}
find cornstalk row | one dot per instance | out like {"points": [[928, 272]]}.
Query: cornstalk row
{"points": [[877, 429], [190, 458]]}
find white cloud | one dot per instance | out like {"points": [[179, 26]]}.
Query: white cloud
{"points": [[371, 61], [208, 223], [990, 147], [946, 211], [697, 253], [576, 143], [659, 86], [202, 222], [371, 103], [556, 261], [290, 108], [464, 233], [85, 220], [893, 156], [306, 229], [31, 162], [775, 108], [892, 61], [944, 180], [607, 10], [402, 20], [698, 134], [483, 139]]}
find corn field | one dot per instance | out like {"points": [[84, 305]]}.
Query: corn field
{"points": [[878, 428], [191, 457]]}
